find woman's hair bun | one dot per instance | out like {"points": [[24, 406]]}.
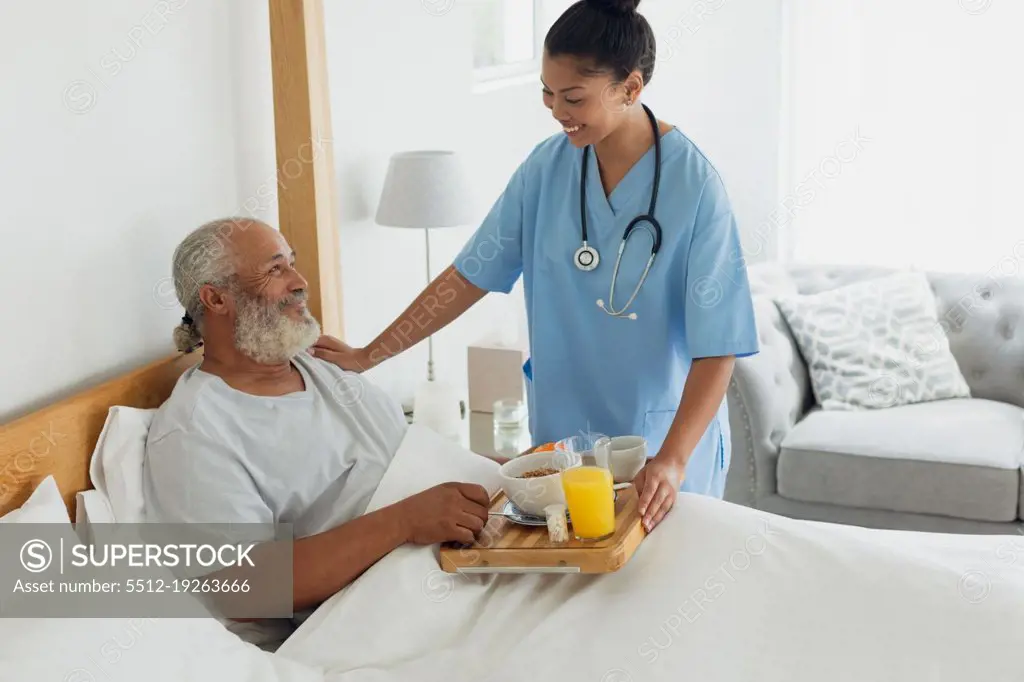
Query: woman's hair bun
{"points": [[621, 7]]}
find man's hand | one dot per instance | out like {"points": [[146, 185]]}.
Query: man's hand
{"points": [[449, 512], [339, 353], [657, 485]]}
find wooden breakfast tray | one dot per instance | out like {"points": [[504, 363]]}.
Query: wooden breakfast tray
{"points": [[508, 547]]}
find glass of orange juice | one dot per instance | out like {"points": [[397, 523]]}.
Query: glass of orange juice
{"points": [[589, 494]]}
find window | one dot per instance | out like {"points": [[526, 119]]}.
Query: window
{"points": [[508, 36]]}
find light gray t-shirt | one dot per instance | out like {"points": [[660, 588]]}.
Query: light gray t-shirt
{"points": [[312, 459]]}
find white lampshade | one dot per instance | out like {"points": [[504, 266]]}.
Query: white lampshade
{"points": [[425, 189]]}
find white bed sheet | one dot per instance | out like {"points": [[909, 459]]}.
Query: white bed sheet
{"points": [[716, 592], [121, 649]]}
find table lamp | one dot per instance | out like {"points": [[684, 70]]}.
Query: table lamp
{"points": [[426, 190]]}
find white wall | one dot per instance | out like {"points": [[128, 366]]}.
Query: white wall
{"points": [[94, 203], [718, 78], [907, 133], [117, 137]]}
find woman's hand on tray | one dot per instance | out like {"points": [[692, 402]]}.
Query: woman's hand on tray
{"points": [[657, 485]]}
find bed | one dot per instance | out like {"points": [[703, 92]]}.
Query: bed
{"points": [[716, 592]]}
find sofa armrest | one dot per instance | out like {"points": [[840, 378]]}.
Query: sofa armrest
{"points": [[768, 394]]}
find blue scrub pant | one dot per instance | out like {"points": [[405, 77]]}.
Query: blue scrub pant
{"points": [[709, 466]]}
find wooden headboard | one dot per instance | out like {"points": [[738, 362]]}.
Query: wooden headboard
{"points": [[60, 438]]}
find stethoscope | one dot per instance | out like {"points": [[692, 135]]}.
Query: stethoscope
{"points": [[587, 257]]}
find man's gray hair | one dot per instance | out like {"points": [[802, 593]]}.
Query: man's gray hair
{"points": [[203, 257]]}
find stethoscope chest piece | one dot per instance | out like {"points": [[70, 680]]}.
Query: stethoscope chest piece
{"points": [[586, 257]]}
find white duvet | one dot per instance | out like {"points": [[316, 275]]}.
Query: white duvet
{"points": [[716, 592]]}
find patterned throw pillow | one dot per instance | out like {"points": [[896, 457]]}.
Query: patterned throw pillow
{"points": [[876, 343]]}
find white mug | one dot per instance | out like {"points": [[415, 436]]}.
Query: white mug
{"points": [[628, 457]]}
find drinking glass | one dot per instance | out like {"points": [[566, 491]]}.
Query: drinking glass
{"points": [[509, 427], [588, 488]]}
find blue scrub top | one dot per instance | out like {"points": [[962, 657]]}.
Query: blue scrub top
{"points": [[591, 372]]}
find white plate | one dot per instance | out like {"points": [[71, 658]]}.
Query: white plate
{"points": [[516, 515]]}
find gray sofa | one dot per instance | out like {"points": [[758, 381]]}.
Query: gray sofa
{"points": [[953, 465]]}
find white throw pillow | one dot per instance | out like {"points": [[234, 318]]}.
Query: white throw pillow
{"points": [[116, 466], [876, 343]]}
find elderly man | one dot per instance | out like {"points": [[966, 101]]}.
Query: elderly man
{"points": [[263, 432]]}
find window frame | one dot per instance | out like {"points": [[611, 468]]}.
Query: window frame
{"points": [[517, 71]]}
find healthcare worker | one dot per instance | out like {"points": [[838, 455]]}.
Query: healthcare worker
{"points": [[632, 336]]}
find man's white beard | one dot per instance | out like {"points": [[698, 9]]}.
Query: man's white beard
{"points": [[265, 333]]}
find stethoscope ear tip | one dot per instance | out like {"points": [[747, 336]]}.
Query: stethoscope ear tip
{"points": [[632, 316]]}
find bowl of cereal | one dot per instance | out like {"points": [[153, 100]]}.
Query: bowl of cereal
{"points": [[532, 482]]}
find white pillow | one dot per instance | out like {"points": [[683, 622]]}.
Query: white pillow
{"points": [[876, 343], [91, 507], [44, 505], [116, 466]]}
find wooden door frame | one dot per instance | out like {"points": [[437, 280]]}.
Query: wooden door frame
{"points": [[306, 189]]}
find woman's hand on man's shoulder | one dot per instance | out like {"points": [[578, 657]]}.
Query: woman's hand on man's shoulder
{"points": [[339, 353]]}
